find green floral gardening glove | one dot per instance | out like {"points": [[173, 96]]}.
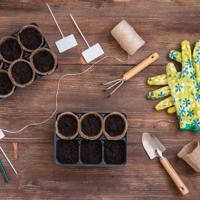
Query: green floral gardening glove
{"points": [[185, 88], [161, 80]]}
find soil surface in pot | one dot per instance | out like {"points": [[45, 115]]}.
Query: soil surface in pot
{"points": [[91, 125], [114, 125], [10, 49], [91, 151], [22, 72], [30, 38], [67, 125], [67, 151], [115, 152], [43, 61], [5, 84]]}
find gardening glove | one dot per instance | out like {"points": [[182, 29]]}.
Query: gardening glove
{"points": [[185, 89], [161, 80]]}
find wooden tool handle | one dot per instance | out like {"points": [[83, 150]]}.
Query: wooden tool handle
{"points": [[174, 176], [138, 68]]}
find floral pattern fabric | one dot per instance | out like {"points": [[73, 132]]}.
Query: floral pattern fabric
{"points": [[185, 88]]}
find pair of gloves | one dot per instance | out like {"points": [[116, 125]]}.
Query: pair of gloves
{"points": [[182, 89]]}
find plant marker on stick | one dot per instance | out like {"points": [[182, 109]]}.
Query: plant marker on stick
{"points": [[65, 43], [92, 52]]}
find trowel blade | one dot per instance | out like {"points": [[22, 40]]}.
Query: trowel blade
{"points": [[151, 144]]}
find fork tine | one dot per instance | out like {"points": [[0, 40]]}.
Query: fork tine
{"points": [[116, 88], [110, 87], [113, 81]]}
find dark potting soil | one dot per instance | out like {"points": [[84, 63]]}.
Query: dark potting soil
{"points": [[91, 151], [114, 125], [91, 125], [67, 125], [115, 152], [22, 72], [10, 49], [31, 38], [67, 151], [43, 61], [5, 84]]}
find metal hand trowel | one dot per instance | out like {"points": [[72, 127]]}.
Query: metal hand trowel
{"points": [[155, 148]]}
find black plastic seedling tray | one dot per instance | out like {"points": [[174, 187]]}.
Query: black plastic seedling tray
{"points": [[26, 55], [80, 145]]}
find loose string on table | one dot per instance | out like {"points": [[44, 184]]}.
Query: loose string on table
{"points": [[89, 69]]}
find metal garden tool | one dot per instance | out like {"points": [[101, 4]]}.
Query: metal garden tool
{"points": [[155, 148], [116, 84]]}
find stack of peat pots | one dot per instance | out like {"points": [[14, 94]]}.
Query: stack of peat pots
{"points": [[91, 139], [24, 57]]}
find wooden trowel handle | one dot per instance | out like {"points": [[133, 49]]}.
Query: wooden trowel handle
{"points": [[142, 65], [174, 176]]}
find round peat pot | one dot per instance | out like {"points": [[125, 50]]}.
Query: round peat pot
{"points": [[67, 125], [30, 38], [44, 61], [6, 86], [21, 73], [115, 126], [10, 49], [91, 126]]}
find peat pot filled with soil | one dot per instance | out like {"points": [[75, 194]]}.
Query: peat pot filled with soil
{"points": [[91, 125], [21, 73], [10, 50], [6, 85], [30, 38], [115, 126], [115, 152], [44, 61], [67, 125], [91, 151], [67, 151]]}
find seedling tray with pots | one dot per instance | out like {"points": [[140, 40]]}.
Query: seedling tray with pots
{"points": [[21, 56], [80, 151]]}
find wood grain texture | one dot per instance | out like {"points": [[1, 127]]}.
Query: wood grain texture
{"points": [[163, 24]]}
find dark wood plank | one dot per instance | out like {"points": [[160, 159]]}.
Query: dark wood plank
{"points": [[163, 24]]}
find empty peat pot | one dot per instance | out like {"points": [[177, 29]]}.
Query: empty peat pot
{"points": [[44, 61], [6, 85], [91, 151], [115, 126], [10, 49], [21, 73], [67, 151], [67, 125], [115, 152], [30, 38], [91, 126]]}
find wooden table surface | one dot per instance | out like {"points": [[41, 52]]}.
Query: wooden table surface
{"points": [[163, 25]]}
